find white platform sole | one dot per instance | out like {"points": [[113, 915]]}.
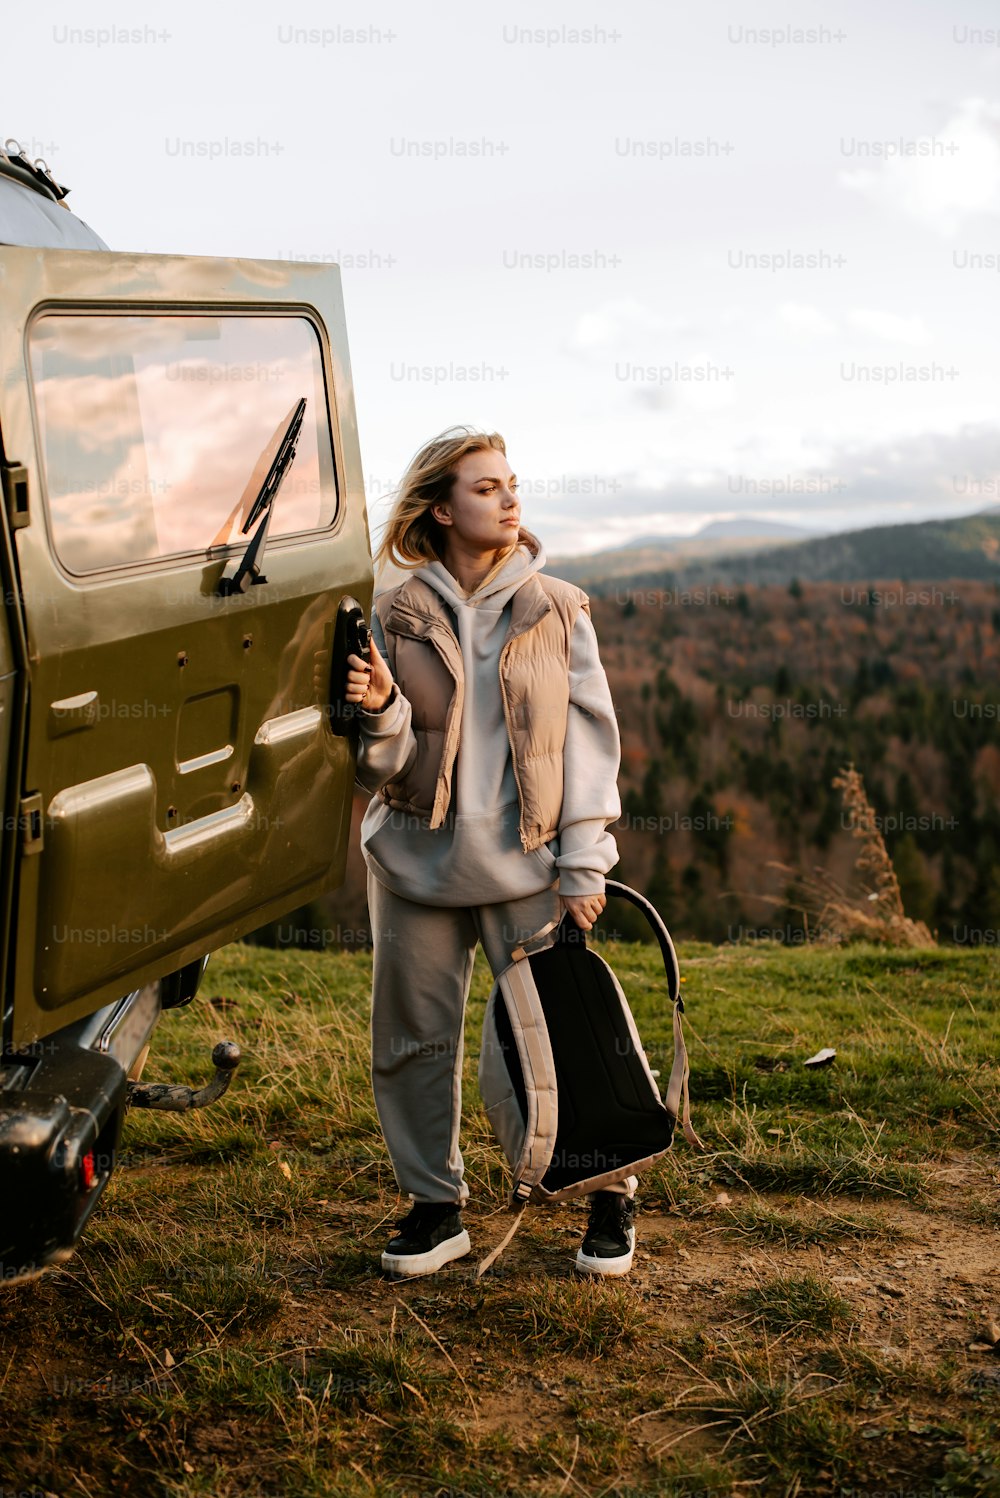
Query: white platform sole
{"points": [[621, 1265], [407, 1265]]}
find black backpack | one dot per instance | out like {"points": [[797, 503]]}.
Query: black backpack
{"points": [[562, 1072]]}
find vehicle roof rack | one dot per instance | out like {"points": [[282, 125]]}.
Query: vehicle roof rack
{"points": [[34, 174]]}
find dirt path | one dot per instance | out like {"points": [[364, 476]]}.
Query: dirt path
{"points": [[922, 1296]]}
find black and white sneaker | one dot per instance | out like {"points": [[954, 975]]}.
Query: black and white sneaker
{"points": [[428, 1237], [609, 1242]]}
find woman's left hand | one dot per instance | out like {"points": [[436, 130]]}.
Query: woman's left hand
{"points": [[583, 908]]}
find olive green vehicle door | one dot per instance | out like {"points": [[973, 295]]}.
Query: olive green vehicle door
{"points": [[180, 782]]}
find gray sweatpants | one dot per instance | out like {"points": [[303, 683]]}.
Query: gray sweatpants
{"points": [[422, 969]]}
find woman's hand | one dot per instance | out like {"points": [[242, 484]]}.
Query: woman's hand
{"points": [[583, 908], [369, 685]]}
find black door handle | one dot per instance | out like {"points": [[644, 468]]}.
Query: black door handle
{"points": [[350, 637]]}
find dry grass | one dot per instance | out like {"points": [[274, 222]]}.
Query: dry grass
{"points": [[225, 1328], [873, 910]]}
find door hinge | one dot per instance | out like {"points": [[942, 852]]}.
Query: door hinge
{"points": [[15, 494], [32, 823]]}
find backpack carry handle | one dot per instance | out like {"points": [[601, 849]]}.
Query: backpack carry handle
{"points": [[566, 930], [676, 1098], [670, 964]]}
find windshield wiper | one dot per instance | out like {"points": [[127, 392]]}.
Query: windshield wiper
{"points": [[273, 463]]}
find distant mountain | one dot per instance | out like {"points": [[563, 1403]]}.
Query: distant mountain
{"points": [[742, 527], [967, 547], [650, 553], [749, 526]]}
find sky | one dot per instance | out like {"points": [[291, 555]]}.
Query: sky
{"points": [[693, 262]]}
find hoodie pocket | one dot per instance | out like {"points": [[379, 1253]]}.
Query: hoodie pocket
{"points": [[546, 856]]}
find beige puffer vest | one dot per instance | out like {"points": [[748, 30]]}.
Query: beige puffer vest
{"points": [[426, 660]]}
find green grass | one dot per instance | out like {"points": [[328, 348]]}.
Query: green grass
{"points": [[225, 1327], [566, 1316], [787, 1303], [760, 1222], [984, 1211]]}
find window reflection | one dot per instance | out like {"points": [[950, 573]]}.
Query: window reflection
{"points": [[150, 427]]}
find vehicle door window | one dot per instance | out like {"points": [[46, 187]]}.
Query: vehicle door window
{"points": [[150, 426]]}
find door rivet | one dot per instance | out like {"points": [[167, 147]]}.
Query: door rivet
{"points": [[247, 641], [182, 657], [171, 811], [235, 787]]}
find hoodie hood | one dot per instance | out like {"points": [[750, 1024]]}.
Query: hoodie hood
{"points": [[527, 558], [483, 780]]}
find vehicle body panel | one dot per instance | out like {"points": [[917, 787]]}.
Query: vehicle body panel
{"points": [[181, 784]]}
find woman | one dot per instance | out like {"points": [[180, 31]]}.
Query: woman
{"points": [[489, 741]]}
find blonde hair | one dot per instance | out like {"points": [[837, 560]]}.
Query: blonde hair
{"points": [[412, 537]]}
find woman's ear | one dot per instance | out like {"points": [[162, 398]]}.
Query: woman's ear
{"points": [[441, 514]]}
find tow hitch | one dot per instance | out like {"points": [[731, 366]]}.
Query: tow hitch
{"points": [[226, 1058], [62, 1109]]}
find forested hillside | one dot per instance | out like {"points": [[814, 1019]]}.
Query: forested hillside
{"points": [[737, 708], [967, 547], [736, 715]]}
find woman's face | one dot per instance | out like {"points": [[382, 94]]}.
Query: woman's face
{"points": [[483, 511]]}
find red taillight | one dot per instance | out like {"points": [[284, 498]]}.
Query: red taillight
{"points": [[88, 1174]]}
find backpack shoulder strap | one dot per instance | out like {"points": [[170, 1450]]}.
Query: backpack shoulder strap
{"points": [[531, 1036]]}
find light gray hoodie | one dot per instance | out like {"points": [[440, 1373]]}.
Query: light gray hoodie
{"points": [[476, 857]]}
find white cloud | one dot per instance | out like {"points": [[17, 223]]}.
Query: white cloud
{"points": [[654, 397], [956, 177], [621, 325], [918, 477], [889, 326], [809, 321]]}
